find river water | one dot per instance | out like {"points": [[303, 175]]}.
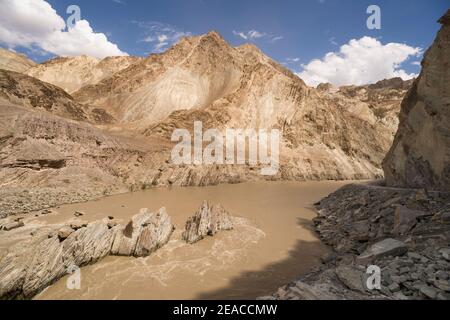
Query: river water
{"points": [[272, 244]]}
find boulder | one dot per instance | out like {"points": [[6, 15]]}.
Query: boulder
{"points": [[387, 247], [352, 278], [304, 291], [78, 214], [428, 292], [445, 252], [445, 217], [65, 232], [207, 221], [78, 224], [12, 225], [144, 234], [404, 220]]}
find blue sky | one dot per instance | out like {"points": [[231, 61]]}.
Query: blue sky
{"points": [[293, 32]]}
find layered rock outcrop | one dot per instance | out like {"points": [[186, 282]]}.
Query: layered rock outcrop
{"points": [[207, 221], [33, 264], [420, 155], [53, 251], [144, 234]]}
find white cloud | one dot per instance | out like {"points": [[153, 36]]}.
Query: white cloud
{"points": [[359, 62], [416, 63], [160, 34], [292, 60], [333, 41], [34, 23], [274, 39], [255, 34]]}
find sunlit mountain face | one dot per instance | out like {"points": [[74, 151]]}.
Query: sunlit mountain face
{"points": [[224, 151]]}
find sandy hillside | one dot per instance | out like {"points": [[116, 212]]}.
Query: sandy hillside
{"points": [[13, 61], [72, 73]]}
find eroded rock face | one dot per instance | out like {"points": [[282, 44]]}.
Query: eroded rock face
{"points": [[144, 234], [207, 221], [420, 155], [33, 264]]}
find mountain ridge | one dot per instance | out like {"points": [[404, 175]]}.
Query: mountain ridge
{"points": [[334, 134]]}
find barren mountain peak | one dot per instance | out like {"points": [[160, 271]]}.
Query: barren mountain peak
{"points": [[213, 34]]}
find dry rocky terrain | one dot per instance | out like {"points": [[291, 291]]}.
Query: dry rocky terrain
{"points": [[112, 135]]}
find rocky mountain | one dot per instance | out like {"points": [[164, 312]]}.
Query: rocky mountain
{"points": [[29, 92], [204, 78], [420, 155], [72, 73], [194, 73], [13, 61], [114, 136]]}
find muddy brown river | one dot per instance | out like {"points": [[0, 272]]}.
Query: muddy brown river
{"points": [[272, 244]]}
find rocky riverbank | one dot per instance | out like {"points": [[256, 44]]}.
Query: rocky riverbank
{"points": [[404, 232]]}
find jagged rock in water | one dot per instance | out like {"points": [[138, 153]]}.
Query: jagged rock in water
{"points": [[420, 155], [32, 265], [53, 251], [145, 233], [207, 221]]}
